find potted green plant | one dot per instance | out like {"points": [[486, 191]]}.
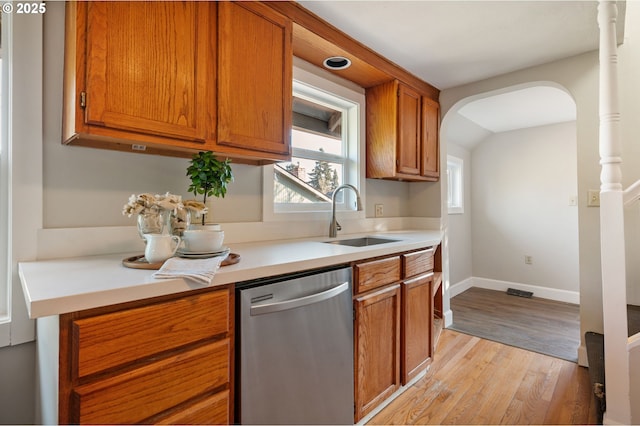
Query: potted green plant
{"points": [[209, 176]]}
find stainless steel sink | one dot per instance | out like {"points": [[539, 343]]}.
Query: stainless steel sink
{"points": [[362, 241]]}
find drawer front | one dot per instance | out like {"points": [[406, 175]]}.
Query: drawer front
{"points": [[213, 410], [418, 262], [377, 273], [113, 339], [133, 396]]}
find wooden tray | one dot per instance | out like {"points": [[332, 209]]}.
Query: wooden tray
{"points": [[232, 259], [139, 262]]}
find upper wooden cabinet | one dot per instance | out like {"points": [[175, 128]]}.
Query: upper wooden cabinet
{"points": [[402, 133], [147, 67], [254, 79], [176, 78], [430, 139]]}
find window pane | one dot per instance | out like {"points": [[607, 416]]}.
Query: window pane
{"points": [[325, 148], [306, 181], [315, 142], [455, 193], [316, 168]]}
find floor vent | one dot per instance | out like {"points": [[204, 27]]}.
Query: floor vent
{"points": [[521, 293]]}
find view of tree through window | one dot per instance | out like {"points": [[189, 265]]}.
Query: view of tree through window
{"points": [[323, 176], [317, 166]]}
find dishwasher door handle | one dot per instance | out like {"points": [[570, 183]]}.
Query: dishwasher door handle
{"points": [[298, 302]]}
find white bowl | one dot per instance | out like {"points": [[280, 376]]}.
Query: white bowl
{"points": [[202, 241], [207, 227]]}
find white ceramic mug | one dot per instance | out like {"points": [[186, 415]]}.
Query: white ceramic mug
{"points": [[159, 247]]}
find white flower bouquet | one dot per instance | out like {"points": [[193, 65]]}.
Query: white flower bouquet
{"points": [[153, 212]]}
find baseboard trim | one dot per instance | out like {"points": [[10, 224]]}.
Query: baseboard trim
{"points": [[448, 318], [461, 286], [542, 292], [582, 354]]}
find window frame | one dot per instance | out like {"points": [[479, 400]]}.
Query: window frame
{"points": [[312, 86], [455, 185], [5, 287], [23, 202]]}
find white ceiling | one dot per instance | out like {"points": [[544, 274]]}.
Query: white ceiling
{"points": [[451, 43], [507, 111]]}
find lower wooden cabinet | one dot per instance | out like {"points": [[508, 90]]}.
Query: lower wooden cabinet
{"points": [[163, 361], [393, 328], [377, 348], [417, 320]]}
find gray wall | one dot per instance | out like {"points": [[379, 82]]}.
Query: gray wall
{"points": [[17, 384], [460, 231], [521, 183]]}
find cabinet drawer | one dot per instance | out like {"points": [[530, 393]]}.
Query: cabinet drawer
{"points": [[418, 262], [213, 410], [133, 396], [374, 274], [117, 338]]}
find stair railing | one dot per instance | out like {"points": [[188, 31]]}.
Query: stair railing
{"points": [[612, 243]]}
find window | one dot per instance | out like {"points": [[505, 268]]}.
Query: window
{"points": [[325, 152], [4, 177], [21, 107], [455, 178]]}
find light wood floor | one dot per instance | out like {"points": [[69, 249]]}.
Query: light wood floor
{"points": [[477, 381]]}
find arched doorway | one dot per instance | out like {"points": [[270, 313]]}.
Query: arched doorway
{"points": [[518, 228]]}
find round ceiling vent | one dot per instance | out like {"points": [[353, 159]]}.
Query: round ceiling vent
{"points": [[337, 63]]}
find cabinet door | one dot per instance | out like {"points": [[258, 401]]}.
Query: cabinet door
{"points": [[254, 79], [377, 348], [409, 134], [147, 67], [430, 145], [417, 308]]}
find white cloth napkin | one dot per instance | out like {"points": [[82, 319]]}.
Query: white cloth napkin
{"points": [[201, 271]]}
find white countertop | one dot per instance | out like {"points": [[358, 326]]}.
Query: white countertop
{"points": [[58, 286]]}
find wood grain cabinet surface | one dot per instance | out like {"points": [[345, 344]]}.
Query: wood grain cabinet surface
{"points": [[164, 361], [376, 273], [377, 348], [174, 78], [402, 133], [417, 323], [393, 338], [255, 65]]}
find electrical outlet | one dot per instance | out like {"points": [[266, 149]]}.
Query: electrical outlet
{"points": [[379, 210], [593, 199], [528, 260]]}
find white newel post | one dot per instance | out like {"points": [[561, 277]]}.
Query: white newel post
{"points": [[612, 246]]}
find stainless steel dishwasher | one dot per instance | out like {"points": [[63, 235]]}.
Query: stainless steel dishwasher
{"points": [[295, 343]]}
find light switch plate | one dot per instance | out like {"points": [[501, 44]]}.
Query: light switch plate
{"points": [[593, 198]]}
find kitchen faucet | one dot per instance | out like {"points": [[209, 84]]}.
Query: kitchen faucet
{"points": [[334, 226]]}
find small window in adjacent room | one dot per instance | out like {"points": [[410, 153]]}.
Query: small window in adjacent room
{"points": [[455, 177]]}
